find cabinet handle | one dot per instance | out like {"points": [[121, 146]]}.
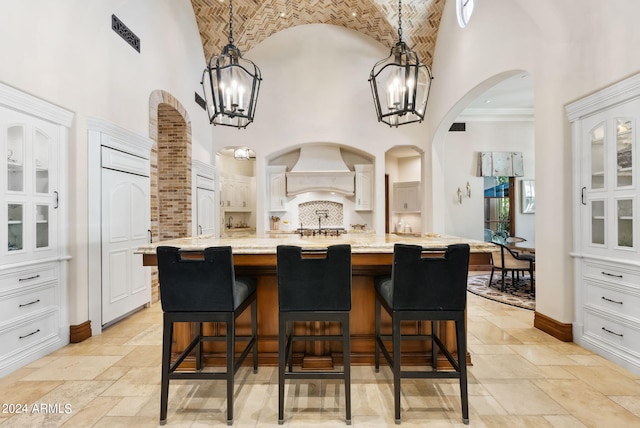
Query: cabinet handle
{"points": [[55, 207], [613, 332], [612, 301], [199, 230], [28, 304], [582, 196], [150, 236], [30, 334], [29, 278], [611, 274]]}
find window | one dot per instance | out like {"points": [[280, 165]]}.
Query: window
{"points": [[464, 9], [498, 208]]}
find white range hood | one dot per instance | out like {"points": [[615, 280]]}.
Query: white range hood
{"points": [[320, 169]]}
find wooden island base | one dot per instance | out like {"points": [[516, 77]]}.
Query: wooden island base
{"points": [[319, 354]]}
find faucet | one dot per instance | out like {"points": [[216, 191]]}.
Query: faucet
{"points": [[321, 213], [229, 222]]}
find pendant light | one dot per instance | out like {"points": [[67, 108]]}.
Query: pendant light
{"points": [[400, 84], [231, 84]]}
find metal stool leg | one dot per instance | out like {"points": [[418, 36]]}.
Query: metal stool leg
{"points": [[346, 347], [282, 357], [462, 362], [230, 367], [167, 337]]}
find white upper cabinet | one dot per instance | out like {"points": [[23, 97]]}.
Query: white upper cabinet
{"points": [[406, 196], [31, 187], [277, 188], [608, 192], [364, 187]]}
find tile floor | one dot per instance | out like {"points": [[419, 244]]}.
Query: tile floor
{"points": [[520, 377]]}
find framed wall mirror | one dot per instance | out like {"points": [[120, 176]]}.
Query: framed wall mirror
{"points": [[528, 196]]}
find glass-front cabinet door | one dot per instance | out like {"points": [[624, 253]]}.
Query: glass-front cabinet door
{"points": [[28, 186], [624, 152], [15, 227], [598, 157], [610, 189], [598, 228]]}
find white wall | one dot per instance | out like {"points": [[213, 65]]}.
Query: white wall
{"points": [[570, 48], [461, 151], [65, 52]]}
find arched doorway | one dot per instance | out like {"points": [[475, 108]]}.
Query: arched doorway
{"points": [[403, 172], [170, 128]]}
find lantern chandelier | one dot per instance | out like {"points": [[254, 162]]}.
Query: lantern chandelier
{"points": [[400, 84], [231, 85]]}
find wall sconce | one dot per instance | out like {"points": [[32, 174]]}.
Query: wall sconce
{"points": [[468, 192]]}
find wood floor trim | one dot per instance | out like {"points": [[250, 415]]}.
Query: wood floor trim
{"points": [[560, 331], [80, 332]]}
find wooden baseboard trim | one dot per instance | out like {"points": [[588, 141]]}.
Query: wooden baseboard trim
{"points": [[80, 332], [560, 331]]}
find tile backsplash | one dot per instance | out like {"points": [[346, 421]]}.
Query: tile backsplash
{"points": [[307, 216]]}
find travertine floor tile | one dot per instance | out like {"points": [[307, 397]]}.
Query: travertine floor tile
{"points": [[520, 377], [522, 397], [587, 404]]}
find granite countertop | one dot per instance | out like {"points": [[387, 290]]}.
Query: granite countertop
{"points": [[360, 243]]}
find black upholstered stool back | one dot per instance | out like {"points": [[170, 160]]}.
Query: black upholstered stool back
{"points": [[189, 284], [314, 281], [423, 282]]}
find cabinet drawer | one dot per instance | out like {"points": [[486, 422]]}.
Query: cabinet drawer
{"points": [[617, 274], [29, 277], [615, 333], [25, 335], [612, 299], [25, 303]]}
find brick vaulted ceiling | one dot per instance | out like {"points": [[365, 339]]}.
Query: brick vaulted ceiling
{"points": [[255, 20]]}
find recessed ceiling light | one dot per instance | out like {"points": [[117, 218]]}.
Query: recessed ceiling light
{"points": [[487, 101], [282, 14], [354, 14]]}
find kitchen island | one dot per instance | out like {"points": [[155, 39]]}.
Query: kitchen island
{"points": [[371, 256]]}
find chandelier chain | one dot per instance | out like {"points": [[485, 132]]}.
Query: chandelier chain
{"points": [[230, 22], [400, 20]]}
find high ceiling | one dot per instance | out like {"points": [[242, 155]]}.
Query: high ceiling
{"points": [[255, 20]]}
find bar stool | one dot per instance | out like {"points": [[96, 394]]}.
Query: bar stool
{"points": [[424, 287], [203, 288], [313, 286]]}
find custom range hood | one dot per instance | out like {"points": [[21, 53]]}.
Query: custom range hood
{"points": [[320, 169]]}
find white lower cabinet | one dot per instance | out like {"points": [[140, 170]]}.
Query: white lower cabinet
{"points": [[30, 305], [611, 311]]}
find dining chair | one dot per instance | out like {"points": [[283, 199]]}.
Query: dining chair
{"points": [[507, 260]]}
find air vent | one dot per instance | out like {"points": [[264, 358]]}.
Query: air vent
{"points": [[124, 32], [200, 101], [458, 127]]}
